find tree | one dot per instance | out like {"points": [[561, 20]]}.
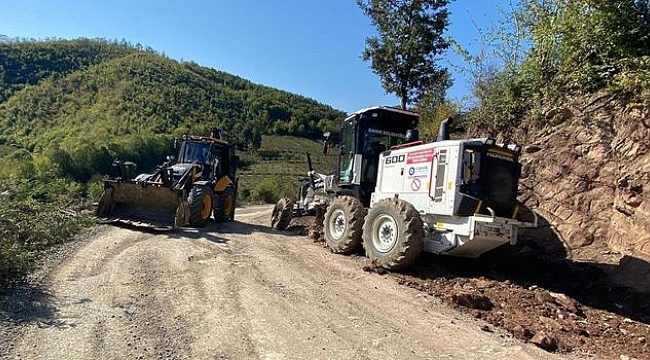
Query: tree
{"points": [[406, 49], [432, 112], [584, 45]]}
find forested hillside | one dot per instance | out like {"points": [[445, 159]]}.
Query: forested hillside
{"points": [[68, 108], [73, 106]]}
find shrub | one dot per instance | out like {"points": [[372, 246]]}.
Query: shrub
{"points": [[270, 189], [32, 221]]}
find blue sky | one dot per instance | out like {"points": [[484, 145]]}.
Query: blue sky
{"points": [[308, 47]]}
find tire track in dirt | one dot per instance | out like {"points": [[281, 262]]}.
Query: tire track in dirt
{"points": [[356, 323], [240, 290], [221, 290]]}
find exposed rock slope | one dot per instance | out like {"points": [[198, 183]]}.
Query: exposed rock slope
{"points": [[588, 177]]}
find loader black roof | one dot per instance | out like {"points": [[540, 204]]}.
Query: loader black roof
{"points": [[205, 139]]}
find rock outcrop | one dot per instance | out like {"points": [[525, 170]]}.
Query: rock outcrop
{"points": [[587, 174]]}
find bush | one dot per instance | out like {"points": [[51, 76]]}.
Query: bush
{"points": [[95, 189], [271, 189], [31, 222]]}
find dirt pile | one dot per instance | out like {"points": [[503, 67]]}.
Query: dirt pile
{"points": [[586, 174], [560, 306]]}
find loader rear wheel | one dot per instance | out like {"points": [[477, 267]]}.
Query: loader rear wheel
{"points": [[393, 234], [343, 224], [200, 200], [281, 216], [225, 210]]}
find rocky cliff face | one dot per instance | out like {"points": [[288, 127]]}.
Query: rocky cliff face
{"points": [[588, 177]]}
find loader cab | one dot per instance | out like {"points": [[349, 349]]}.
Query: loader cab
{"points": [[215, 156], [364, 136]]}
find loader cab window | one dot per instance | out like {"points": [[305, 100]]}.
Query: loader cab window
{"points": [[195, 151], [216, 167], [222, 161]]}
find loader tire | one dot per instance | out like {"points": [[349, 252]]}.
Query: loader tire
{"points": [[343, 224], [200, 201], [225, 210], [281, 216], [393, 234]]}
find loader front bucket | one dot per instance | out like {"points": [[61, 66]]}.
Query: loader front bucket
{"points": [[143, 205]]}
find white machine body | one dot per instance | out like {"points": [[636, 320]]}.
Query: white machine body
{"points": [[429, 176]]}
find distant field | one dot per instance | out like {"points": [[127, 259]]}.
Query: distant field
{"points": [[280, 162]]}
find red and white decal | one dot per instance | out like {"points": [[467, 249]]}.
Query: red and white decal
{"points": [[416, 184], [420, 156]]}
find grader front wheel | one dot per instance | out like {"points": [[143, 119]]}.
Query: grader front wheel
{"points": [[343, 224], [281, 216]]}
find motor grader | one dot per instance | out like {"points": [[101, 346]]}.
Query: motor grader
{"points": [[189, 189], [397, 196]]}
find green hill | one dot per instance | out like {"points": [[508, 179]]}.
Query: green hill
{"points": [[274, 170], [76, 105], [28, 63]]}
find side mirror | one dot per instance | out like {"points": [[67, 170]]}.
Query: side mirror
{"points": [[171, 158]]}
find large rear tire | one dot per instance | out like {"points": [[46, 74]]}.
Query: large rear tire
{"points": [[281, 216], [200, 201], [343, 224], [225, 210], [393, 234]]}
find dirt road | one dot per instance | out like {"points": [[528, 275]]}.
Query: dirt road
{"points": [[232, 291]]}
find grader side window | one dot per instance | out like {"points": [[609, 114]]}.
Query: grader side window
{"points": [[440, 176], [471, 166], [347, 152]]}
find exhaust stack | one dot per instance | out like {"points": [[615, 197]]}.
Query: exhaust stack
{"points": [[443, 132]]}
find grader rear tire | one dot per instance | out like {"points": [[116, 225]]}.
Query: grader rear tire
{"points": [[200, 201], [281, 216], [393, 234], [343, 224]]}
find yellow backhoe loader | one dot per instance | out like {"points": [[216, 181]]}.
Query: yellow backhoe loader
{"points": [[186, 190]]}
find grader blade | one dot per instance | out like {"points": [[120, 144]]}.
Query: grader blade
{"points": [[143, 205]]}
